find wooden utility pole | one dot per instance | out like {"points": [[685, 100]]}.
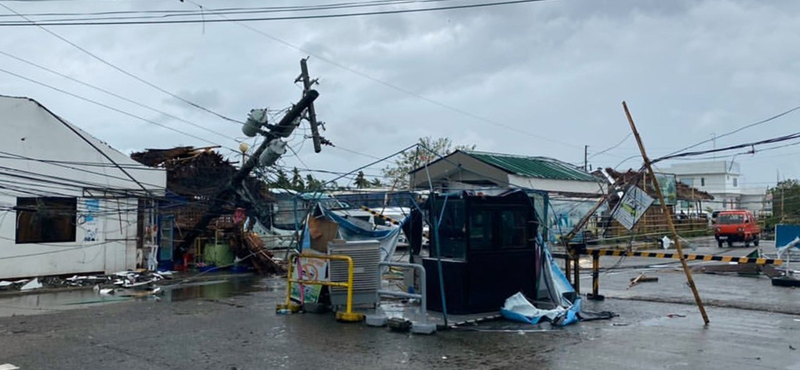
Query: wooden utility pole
{"points": [[665, 210], [312, 114], [282, 129]]}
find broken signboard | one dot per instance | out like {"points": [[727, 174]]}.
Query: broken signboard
{"points": [[632, 206]]}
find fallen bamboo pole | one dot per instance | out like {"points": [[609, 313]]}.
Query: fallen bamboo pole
{"points": [[665, 210]]}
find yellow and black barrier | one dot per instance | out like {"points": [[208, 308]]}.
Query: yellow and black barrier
{"points": [[387, 218], [596, 253], [381, 216], [688, 257]]}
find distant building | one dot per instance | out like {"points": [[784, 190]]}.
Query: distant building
{"points": [[757, 200], [473, 170], [718, 178]]}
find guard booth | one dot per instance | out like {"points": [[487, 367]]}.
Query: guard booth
{"points": [[488, 249]]}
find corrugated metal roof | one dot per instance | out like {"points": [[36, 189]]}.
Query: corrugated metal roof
{"points": [[539, 167]]}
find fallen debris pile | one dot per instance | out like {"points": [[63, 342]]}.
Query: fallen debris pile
{"points": [[263, 260], [123, 279]]}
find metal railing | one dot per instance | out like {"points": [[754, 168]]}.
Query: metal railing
{"points": [[422, 279], [348, 315]]}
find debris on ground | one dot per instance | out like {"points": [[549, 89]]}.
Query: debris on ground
{"points": [[104, 283], [642, 279], [398, 324], [674, 315], [739, 268], [263, 260], [31, 285]]}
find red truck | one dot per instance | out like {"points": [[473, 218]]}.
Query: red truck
{"points": [[736, 226]]}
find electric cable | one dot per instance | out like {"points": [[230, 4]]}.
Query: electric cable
{"points": [[108, 107], [260, 19], [115, 95], [94, 56]]}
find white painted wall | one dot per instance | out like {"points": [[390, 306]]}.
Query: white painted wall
{"points": [[114, 247], [41, 156], [719, 178], [584, 187]]}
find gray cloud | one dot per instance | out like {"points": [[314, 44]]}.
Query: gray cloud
{"points": [[557, 69]]}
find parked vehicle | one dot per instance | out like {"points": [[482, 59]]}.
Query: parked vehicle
{"points": [[736, 226], [714, 216]]}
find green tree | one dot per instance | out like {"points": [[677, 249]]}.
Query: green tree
{"points": [[785, 202], [281, 180], [428, 150], [361, 181], [375, 183], [297, 181], [313, 184]]}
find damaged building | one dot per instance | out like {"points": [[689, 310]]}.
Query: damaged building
{"points": [[72, 204], [194, 177]]}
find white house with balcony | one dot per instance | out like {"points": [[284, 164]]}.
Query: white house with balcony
{"points": [[718, 178], [722, 179]]}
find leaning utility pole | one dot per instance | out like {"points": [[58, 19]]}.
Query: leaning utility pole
{"points": [[267, 154], [312, 115], [666, 212]]}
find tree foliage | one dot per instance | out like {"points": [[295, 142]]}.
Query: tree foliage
{"points": [[428, 150], [361, 181], [297, 182], [786, 202]]}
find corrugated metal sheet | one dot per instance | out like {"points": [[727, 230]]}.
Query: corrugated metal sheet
{"points": [[539, 167]]}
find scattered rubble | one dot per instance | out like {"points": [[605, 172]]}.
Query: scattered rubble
{"points": [[103, 283], [642, 279]]}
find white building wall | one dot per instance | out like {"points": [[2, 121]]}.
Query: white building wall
{"points": [[721, 179], [40, 156], [107, 244], [565, 186]]}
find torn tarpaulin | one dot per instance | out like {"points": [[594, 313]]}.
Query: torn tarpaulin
{"points": [[518, 308]]}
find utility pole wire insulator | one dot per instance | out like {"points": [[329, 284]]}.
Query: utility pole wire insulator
{"points": [[215, 208]]}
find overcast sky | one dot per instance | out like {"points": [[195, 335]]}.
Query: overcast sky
{"points": [[543, 78]]}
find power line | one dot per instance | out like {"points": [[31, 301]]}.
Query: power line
{"points": [[779, 115], [390, 85], [108, 106], [612, 147], [751, 145], [264, 19], [154, 14], [94, 56], [114, 94]]}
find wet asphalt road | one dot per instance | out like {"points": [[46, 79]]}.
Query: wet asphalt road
{"points": [[213, 331]]}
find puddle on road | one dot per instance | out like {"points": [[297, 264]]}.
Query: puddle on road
{"points": [[36, 304], [213, 289]]}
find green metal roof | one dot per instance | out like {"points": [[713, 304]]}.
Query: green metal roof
{"points": [[539, 167]]}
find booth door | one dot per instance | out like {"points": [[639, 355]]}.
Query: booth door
{"points": [[502, 255]]}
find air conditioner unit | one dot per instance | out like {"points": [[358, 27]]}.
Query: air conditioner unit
{"points": [[366, 255]]}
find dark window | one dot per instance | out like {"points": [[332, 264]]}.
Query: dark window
{"points": [[480, 229], [702, 181], [495, 228], [730, 219], [452, 229], [513, 227], [46, 220]]}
